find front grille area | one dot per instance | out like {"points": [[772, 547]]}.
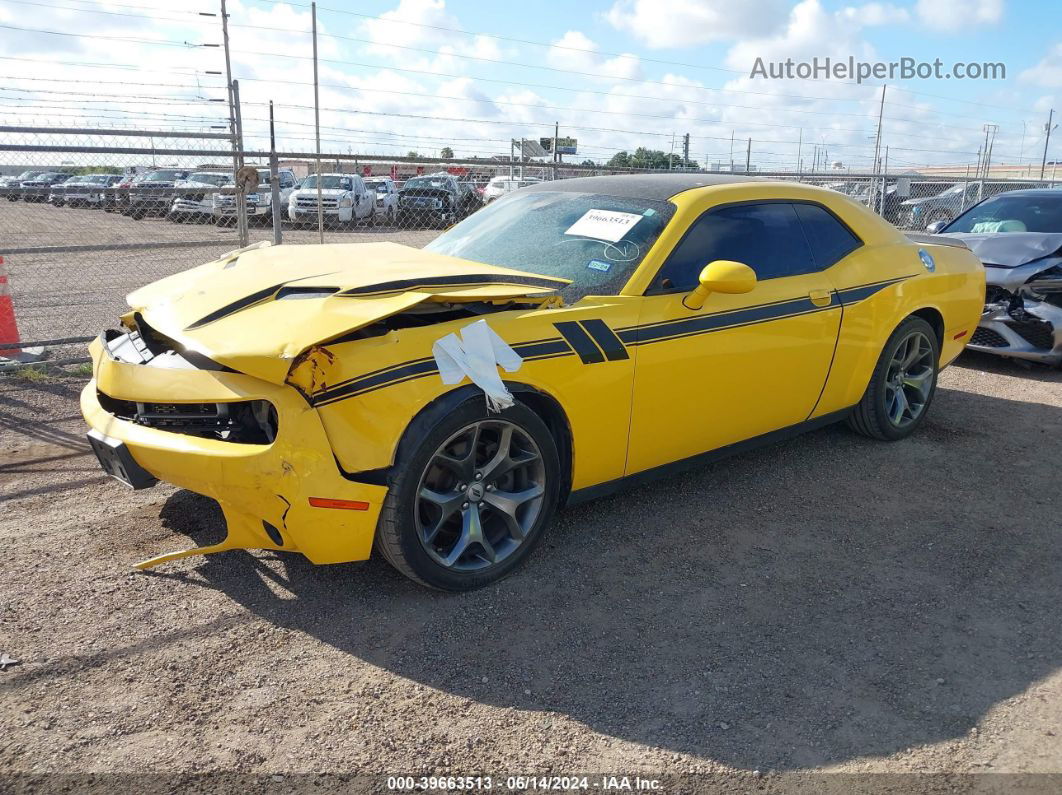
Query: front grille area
{"points": [[241, 422], [1038, 333], [310, 203], [988, 338]]}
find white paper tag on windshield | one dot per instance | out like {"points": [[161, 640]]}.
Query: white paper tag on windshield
{"points": [[607, 225]]}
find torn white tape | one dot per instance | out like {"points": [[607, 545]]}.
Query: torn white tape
{"points": [[477, 353]]}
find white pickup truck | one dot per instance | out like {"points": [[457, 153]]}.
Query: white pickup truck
{"points": [[259, 203], [345, 199]]}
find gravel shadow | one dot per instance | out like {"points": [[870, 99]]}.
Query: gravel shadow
{"points": [[810, 603]]}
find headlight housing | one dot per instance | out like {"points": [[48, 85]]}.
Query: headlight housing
{"points": [[345, 202]]}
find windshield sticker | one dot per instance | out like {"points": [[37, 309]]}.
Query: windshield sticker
{"points": [[607, 225], [598, 265]]}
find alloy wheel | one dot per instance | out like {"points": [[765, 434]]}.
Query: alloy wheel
{"points": [[480, 495], [909, 379]]}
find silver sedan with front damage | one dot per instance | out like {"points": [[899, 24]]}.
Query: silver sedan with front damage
{"points": [[1018, 236]]}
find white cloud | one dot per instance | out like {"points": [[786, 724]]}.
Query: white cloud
{"points": [[683, 23], [956, 15], [575, 51], [1048, 72]]}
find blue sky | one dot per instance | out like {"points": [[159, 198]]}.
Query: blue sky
{"points": [[684, 70]]}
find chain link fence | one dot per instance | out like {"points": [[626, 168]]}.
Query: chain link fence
{"points": [[86, 216]]}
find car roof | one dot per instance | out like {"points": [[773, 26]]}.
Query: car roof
{"points": [[641, 186], [1030, 192]]}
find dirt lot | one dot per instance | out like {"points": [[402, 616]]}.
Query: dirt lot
{"points": [[829, 604], [59, 295]]}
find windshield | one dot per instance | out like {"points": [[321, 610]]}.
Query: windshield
{"points": [[206, 178], [379, 187], [1030, 213], [164, 176], [427, 182], [29, 174], [95, 179], [595, 240], [328, 181]]}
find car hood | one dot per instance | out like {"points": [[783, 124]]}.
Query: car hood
{"points": [[257, 309], [436, 192], [1010, 249]]}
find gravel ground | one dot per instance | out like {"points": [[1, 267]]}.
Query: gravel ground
{"points": [[831, 604]]}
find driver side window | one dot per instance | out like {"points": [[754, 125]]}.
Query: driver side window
{"points": [[767, 237]]}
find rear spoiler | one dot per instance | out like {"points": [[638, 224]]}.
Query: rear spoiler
{"points": [[935, 240]]}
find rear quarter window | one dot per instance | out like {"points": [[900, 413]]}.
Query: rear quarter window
{"points": [[830, 240]]}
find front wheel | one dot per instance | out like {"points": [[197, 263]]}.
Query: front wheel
{"points": [[470, 499], [902, 385]]}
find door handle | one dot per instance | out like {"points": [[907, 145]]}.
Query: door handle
{"points": [[821, 297]]}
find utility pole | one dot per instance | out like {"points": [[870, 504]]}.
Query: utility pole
{"points": [[800, 143], [235, 130], [686, 151], [274, 180], [748, 156], [556, 135], [1047, 138], [731, 151], [990, 140], [877, 136], [317, 124]]}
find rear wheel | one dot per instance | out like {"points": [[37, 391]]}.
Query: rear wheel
{"points": [[471, 499], [902, 385]]}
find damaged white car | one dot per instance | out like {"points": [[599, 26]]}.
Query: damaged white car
{"points": [[1018, 237]]}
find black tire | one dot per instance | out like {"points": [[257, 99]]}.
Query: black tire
{"points": [[871, 416], [397, 534]]}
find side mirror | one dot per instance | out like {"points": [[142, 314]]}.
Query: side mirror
{"points": [[935, 227], [721, 276]]}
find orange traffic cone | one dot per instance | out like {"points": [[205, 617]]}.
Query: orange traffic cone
{"points": [[8, 327]]}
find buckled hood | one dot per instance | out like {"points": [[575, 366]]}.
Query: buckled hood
{"points": [[257, 309], [1011, 249]]}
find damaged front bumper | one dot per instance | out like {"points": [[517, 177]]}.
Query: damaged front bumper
{"points": [[264, 487], [1020, 327]]}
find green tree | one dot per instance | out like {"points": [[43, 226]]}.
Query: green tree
{"points": [[412, 153], [446, 152], [619, 160], [588, 163]]}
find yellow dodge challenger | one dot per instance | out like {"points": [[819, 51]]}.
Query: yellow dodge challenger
{"points": [[643, 324]]}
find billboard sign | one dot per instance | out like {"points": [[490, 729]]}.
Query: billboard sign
{"points": [[565, 146]]}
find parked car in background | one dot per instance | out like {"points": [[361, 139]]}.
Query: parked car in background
{"points": [[434, 200], [116, 197], [1018, 237], [57, 192], [345, 199], [499, 186], [9, 186], [153, 195], [190, 204], [85, 190], [386, 202], [920, 213], [39, 187], [259, 202]]}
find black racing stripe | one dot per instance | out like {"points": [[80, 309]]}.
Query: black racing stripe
{"points": [[694, 325], [463, 280], [542, 348], [851, 295], [605, 339], [365, 383], [387, 369], [729, 326], [580, 341], [236, 306]]}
